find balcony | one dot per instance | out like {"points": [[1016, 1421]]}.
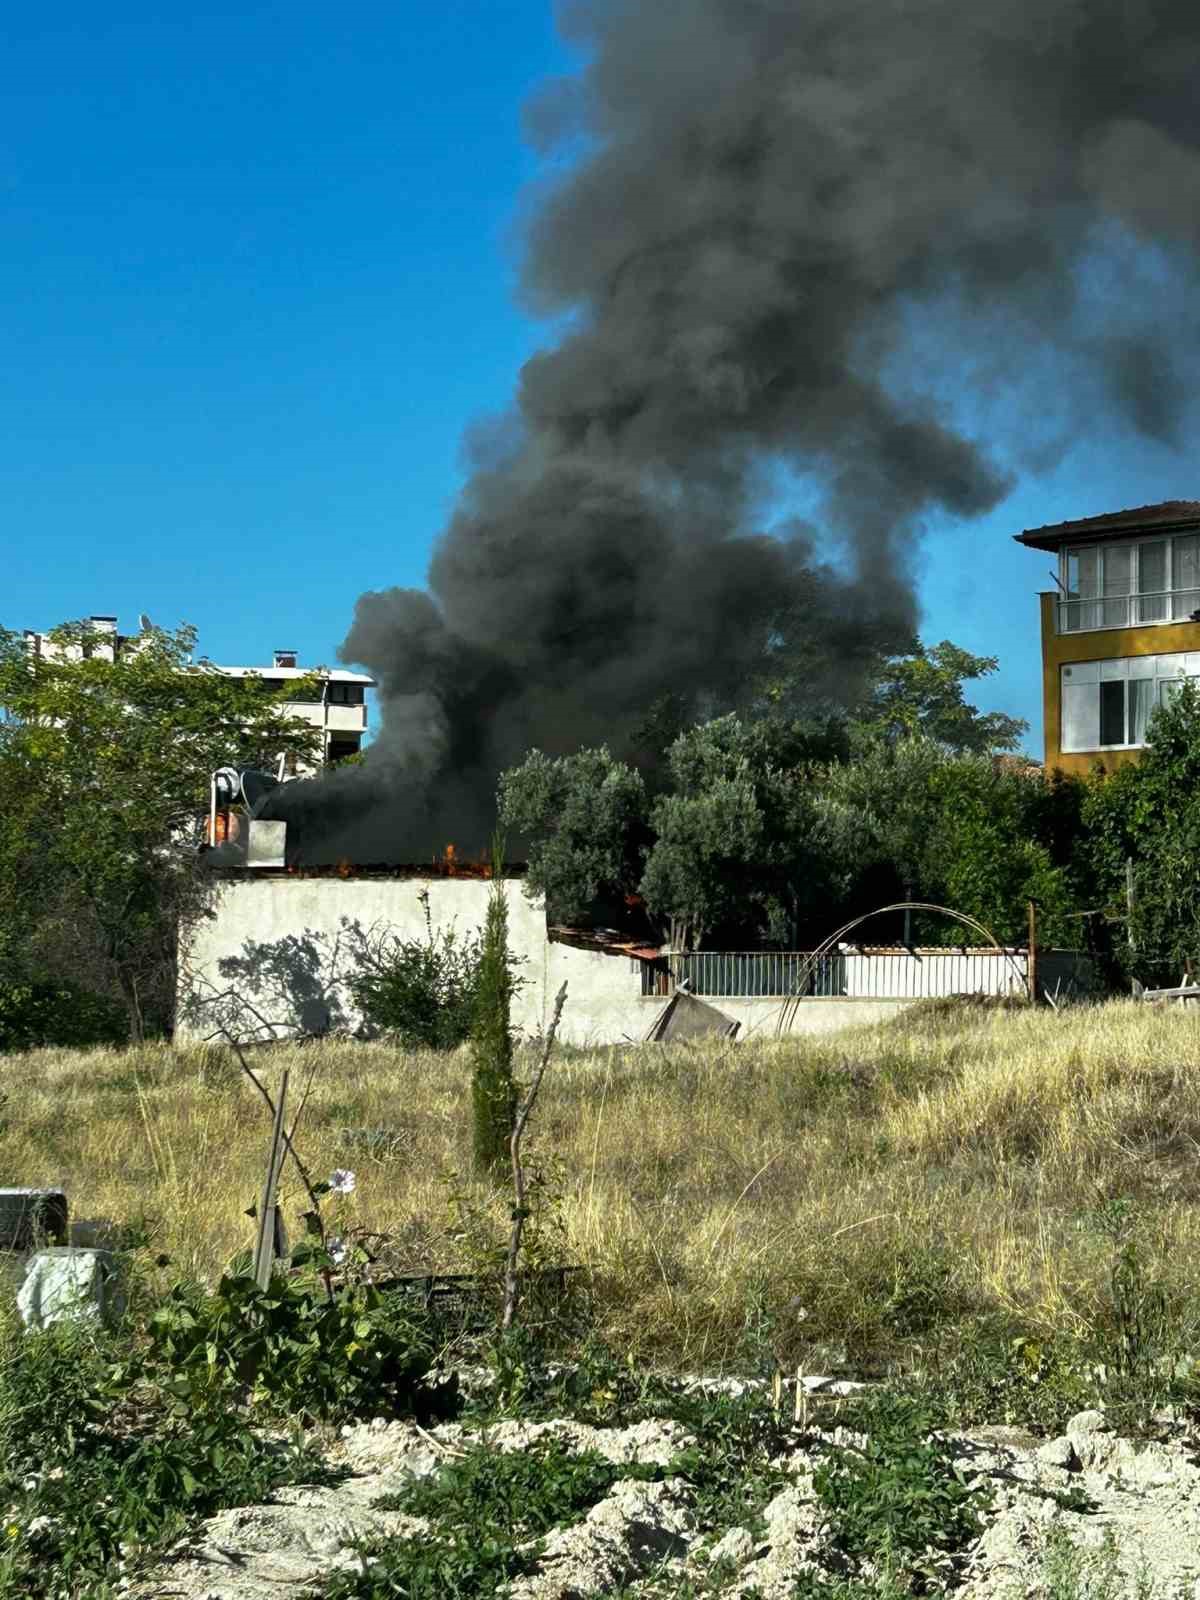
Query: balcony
{"points": [[1128, 610]]}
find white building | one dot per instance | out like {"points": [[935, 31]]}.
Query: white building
{"points": [[338, 707]]}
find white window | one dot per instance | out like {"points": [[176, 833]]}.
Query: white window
{"points": [[1185, 579], [1107, 705], [1125, 585]]}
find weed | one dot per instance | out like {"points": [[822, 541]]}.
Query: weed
{"points": [[97, 1467], [657, 1147], [1070, 1572], [924, 1289], [489, 1513], [898, 1499]]}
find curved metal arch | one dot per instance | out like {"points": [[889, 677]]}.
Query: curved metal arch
{"points": [[791, 1005]]}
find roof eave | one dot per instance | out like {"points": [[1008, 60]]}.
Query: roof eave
{"points": [[1054, 538]]}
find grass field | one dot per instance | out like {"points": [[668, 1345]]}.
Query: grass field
{"points": [[855, 1199]]}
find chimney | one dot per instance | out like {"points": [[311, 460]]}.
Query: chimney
{"points": [[106, 646]]}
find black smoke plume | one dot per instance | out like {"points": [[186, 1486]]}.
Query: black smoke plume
{"points": [[782, 231]]}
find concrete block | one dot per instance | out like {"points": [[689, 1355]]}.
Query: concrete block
{"points": [[66, 1284]]}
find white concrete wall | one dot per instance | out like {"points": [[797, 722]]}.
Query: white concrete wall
{"points": [[759, 1018], [285, 932], [287, 939]]}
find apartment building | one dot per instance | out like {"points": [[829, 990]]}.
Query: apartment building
{"points": [[1120, 628], [337, 705]]}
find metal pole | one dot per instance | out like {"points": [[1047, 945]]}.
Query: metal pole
{"points": [[1032, 962], [1130, 900]]}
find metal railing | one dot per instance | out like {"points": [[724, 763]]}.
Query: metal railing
{"points": [[867, 974], [1127, 610]]}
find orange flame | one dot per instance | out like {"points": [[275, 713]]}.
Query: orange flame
{"points": [[451, 865]]}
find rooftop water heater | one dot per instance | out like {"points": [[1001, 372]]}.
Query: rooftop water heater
{"points": [[235, 798]]}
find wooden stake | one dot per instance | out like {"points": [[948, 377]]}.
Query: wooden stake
{"points": [[264, 1251]]}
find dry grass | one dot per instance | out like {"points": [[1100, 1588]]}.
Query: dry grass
{"points": [[884, 1182]]}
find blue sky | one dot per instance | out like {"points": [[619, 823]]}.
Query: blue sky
{"points": [[255, 281]]}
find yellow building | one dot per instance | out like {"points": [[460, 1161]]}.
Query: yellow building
{"points": [[1120, 628]]}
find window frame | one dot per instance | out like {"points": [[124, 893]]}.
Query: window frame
{"points": [[1102, 549], [1184, 667]]}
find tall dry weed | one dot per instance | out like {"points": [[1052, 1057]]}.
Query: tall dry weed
{"points": [[870, 1188]]}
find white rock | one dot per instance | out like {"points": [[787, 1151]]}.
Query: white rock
{"points": [[1087, 1422], [1058, 1453], [63, 1284], [737, 1547]]}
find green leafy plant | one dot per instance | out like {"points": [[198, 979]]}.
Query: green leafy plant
{"points": [[489, 1512], [898, 1499], [421, 991], [99, 1467], [294, 1348]]}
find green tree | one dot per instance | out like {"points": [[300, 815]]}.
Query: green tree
{"points": [[105, 767], [1149, 813], [921, 692], [962, 831], [493, 1092], [584, 817], [888, 800], [991, 865], [741, 841]]}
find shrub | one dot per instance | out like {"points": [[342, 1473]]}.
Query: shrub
{"points": [[33, 1015], [421, 990], [294, 1349]]}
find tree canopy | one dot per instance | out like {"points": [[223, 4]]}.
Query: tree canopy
{"points": [[104, 775], [921, 692], [749, 827]]}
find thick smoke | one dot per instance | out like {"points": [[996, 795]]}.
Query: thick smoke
{"points": [[764, 208]]}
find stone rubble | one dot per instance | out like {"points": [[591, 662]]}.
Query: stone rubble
{"points": [[644, 1537]]}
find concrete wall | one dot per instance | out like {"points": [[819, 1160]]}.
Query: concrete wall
{"points": [[285, 944], [759, 1018]]}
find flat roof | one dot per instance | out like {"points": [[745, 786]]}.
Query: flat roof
{"points": [[1165, 517], [334, 675]]}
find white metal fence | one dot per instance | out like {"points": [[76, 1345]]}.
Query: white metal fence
{"points": [[854, 974]]}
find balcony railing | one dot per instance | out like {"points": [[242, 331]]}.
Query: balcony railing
{"points": [[1128, 610]]}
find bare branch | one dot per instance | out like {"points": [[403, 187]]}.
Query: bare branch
{"points": [[511, 1290]]}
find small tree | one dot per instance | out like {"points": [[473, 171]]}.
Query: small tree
{"points": [[493, 1093], [1149, 813], [740, 841]]}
